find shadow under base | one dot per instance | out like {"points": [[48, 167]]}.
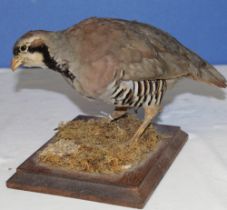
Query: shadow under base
{"points": [[130, 187]]}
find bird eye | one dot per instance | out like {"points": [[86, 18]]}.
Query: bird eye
{"points": [[23, 47]]}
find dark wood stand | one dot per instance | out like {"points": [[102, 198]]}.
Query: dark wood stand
{"points": [[131, 188]]}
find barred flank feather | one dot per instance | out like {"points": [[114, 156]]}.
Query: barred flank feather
{"points": [[138, 93]]}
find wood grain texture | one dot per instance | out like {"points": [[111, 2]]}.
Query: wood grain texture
{"points": [[131, 188]]}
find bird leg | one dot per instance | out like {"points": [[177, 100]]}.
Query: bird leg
{"points": [[149, 113], [118, 113]]}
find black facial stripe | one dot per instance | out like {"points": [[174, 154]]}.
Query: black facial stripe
{"points": [[50, 62], [16, 51]]}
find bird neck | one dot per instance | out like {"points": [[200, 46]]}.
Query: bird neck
{"points": [[52, 63]]}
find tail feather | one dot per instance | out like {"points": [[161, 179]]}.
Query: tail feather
{"points": [[210, 75]]}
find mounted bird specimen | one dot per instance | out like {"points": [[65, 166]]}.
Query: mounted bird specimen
{"points": [[125, 63]]}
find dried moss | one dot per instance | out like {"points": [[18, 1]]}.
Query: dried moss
{"points": [[98, 145]]}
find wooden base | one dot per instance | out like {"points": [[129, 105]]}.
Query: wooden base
{"points": [[131, 188]]}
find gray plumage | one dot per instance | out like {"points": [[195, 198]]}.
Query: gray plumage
{"points": [[122, 62]]}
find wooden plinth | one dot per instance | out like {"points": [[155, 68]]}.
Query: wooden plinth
{"points": [[131, 188]]}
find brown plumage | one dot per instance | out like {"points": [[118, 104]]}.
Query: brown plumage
{"points": [[106, 47], [122, 62]]}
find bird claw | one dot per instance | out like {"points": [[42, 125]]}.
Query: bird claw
{"points": [[106, 115]]}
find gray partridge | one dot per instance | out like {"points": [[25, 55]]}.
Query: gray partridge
{"points": [[125, 63]]}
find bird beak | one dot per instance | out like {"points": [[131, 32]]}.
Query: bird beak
{"points": [[15, 63]]}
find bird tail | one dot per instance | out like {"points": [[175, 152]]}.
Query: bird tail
{"points": [[210, 75]]}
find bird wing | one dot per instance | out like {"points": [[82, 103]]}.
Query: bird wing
{"points": [[109, 49], [150, 53]]}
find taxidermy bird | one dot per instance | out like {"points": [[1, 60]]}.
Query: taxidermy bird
{"points": [[125, 63]]}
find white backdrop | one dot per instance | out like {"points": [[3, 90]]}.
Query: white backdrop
{"points": [[33, 102]]}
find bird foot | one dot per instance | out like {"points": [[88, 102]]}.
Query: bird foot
{"points": [[106, 115], [132, 141], [114, 116], [135, 138]]}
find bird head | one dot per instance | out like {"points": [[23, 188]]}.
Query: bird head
{"points": [[31, 50]]}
